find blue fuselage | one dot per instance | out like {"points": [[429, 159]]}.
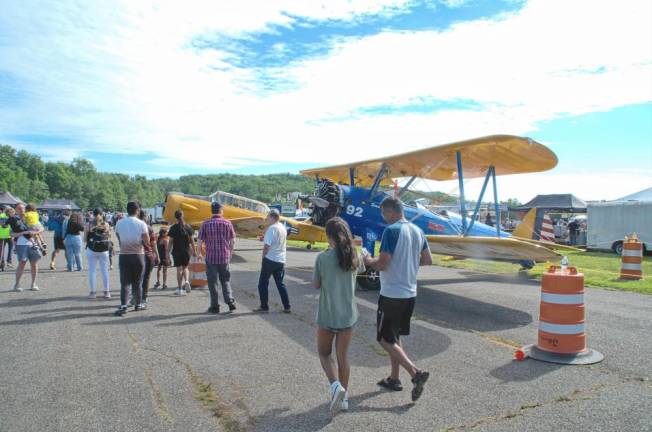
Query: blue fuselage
{"points": [[362, 213]]}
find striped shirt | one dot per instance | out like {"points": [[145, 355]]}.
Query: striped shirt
{"points": [[217, 233]]}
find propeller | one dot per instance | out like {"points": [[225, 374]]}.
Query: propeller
{"points": [[315, 200]]}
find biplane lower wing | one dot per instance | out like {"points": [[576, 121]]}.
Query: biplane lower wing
{"points": [[254, 226], [492, 248]]}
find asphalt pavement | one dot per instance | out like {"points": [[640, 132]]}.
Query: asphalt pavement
{"points": [[69, 365]]}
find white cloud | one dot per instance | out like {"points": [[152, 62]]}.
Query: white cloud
{"points": [[123, 77]]}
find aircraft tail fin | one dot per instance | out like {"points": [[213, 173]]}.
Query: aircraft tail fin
{"points": [[536, 225]]}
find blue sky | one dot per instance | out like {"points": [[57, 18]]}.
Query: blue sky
{"points": [[173, 88]]}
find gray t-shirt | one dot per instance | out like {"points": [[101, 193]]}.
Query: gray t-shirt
{"points": [[404, 241], [337, 308], [130, 232]]}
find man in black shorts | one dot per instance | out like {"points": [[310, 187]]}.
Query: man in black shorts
{"points": [[403, 249]]}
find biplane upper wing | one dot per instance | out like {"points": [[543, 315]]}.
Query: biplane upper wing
{"points": [[508, 154]]}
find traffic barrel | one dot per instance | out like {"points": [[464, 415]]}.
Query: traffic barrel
{"points": [[562, 326], [631, 267], [197, 269]]}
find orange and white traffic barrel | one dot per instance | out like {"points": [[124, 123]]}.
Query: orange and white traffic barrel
{"points": [[562, 326], [197, 269], [631, 267]]}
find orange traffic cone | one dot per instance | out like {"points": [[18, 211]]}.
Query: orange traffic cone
{"points": [[197, 271], [631, 267], [562, 336]]}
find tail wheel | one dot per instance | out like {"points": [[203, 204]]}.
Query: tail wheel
{"points": [[369, 280]]}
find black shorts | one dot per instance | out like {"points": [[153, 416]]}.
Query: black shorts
{"points": [[58, 243], [393, 318], [181, 259]]}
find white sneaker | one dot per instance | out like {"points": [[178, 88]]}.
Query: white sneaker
{"points": [[34, 288], [17, 288], [92, 295], [188, 287], [178, 292], [107, 294], [183, 292], [345, 403], [337, 396]]}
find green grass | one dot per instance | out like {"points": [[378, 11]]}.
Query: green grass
{"points": [[600, 270]]}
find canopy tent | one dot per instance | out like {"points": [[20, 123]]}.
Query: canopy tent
{"points": [[58, 204], [6, 198], [567, 203], [644, 195]]}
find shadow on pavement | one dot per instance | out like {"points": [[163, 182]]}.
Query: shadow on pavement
{"points": [[299, 326], [523, 371], [40, 301], [459, 312], [319, 417]]}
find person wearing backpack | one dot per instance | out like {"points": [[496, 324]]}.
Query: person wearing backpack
{"points": [[73, 240], [98, 238]]}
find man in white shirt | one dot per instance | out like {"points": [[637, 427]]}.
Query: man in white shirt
{"points": [[275, 243], [133, 236]]}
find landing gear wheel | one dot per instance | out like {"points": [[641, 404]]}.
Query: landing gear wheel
{"points": [[369, 280], [308, 246]]}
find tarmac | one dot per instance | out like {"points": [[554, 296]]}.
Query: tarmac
{"points": [[69, 365]]}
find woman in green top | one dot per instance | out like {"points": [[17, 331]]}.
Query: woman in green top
{"points": [[336, 271]]}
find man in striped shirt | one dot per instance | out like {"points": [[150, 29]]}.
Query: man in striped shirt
{"points": [[218, 236]]}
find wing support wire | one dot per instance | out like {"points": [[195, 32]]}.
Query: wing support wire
{"points": [[377, 180]]}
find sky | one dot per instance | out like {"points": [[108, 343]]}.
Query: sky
{"points": [[168, 88]]}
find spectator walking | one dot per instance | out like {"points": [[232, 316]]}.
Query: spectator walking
{"points": [[274, 253], [403, 249], [134, 240], [57, 223], [219, 237], [183, 246], [163, 247], [26, 248], [6, 241], [151, 255], [98, 236], [335, 275], [73, 240]]}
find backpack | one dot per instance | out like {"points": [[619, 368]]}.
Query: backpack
{"points": [[98, 241]]}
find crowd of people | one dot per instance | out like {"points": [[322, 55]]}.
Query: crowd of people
{"points": [[403, 249]]}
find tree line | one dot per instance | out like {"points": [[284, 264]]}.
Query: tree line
{"points": [[31, 179]]}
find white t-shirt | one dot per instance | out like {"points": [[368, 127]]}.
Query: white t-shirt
{"points": [[130, 231], [275, 238]]}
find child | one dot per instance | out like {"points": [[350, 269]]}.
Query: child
{"points": [[335, 275], [163, 246], [34, 224]]}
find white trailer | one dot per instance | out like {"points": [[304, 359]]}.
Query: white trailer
{"points": [[156, 213], [609, 222]]}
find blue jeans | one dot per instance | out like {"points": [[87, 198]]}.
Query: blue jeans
{"points": [[73, 245], [277, 270]]}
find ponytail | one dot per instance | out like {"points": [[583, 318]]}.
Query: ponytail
{"points": [[339, 233]]}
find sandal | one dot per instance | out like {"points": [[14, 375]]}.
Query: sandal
{"points": [[391, 384]]}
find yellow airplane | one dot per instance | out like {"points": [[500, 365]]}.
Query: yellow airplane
{"points": [[246, 215]]}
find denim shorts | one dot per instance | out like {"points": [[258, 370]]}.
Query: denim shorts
{"points": [[28, 252]]}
